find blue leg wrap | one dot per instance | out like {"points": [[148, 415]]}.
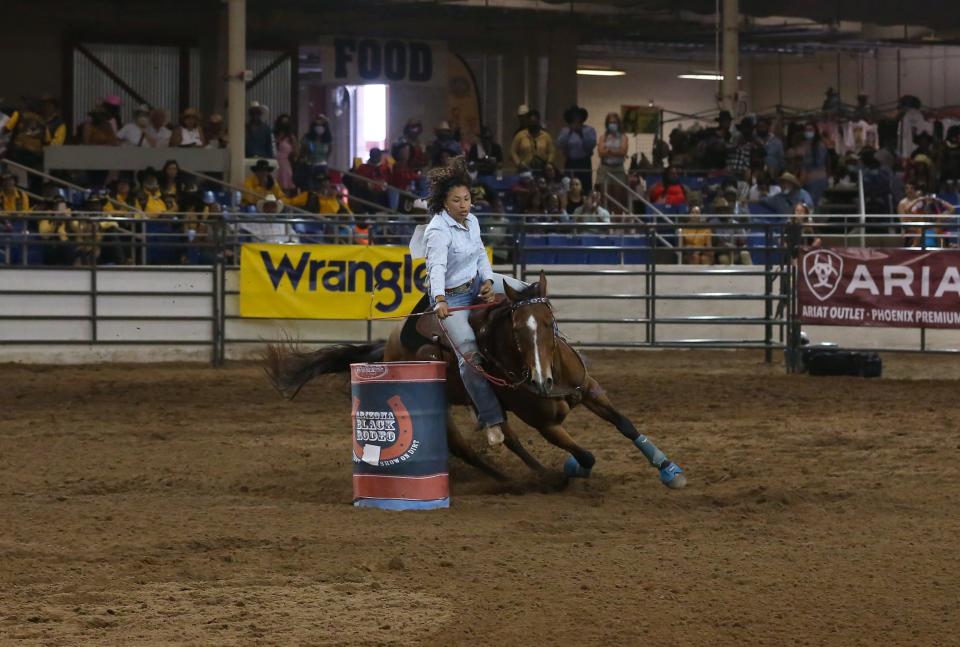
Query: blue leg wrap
{"points": [[653, 454], [574, 469]]}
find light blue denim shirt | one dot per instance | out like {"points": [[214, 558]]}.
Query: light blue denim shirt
{"points": [[455, 253]]}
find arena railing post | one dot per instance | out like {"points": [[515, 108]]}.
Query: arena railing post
{"points": [[522, 245], [652, 293], [793, 324], [767, 294]]}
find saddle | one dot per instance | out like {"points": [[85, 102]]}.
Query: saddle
{"points": [[422, 330]]}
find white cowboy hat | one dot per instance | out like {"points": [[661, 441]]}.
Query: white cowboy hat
{"points": [[270, 199]]}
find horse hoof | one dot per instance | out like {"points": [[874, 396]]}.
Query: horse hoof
{"points": [[573, 469], [672, 476]]}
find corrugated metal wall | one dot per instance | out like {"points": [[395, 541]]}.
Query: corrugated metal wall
{"points": [[273, 90], [154, 73], [150, 70]]}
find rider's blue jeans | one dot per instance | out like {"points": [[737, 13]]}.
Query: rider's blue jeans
{"points": [[458, 329]]}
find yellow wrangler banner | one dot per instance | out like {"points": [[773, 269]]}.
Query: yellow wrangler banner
{"points": [[329, 281]]}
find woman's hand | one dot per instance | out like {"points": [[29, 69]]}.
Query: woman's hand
{"points": [[486, 291], [442, 310]]}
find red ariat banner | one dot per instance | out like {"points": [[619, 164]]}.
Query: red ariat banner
{"points": [[855, 286]]}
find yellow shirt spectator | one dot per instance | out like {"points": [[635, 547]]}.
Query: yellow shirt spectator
{"points": [[14, 200], [532, 147], [261, 183], [318, 203], [696, 237], [152, 203]]}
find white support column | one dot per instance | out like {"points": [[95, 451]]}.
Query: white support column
{"points": [[236, 87], [730, 61]]}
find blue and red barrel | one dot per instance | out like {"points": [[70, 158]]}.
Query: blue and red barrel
{"points": [[400, 435]]}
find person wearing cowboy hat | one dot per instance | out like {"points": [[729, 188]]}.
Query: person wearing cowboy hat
{"points": [[261, 183], [523, 111], [188, 134], [576, 141], [791, 194], [533, 146], [446, 142], [270, 204]]}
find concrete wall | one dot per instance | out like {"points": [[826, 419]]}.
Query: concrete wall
{"points": [[180, 304]]}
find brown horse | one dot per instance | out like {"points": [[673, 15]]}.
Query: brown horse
{"points": [[534, 371]]}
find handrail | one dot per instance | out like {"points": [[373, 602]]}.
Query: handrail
{"points": [[247, 191], [241, 189], [57, 180], [357, 176], [632, 193]]}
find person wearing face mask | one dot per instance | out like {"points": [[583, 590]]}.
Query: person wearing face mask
{"points": [[532, 147], [315, 146], [285, 142], [613, 151]]}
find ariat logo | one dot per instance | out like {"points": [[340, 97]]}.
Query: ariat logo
{"points": [[822, 271]]}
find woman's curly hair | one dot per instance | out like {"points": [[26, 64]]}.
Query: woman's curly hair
{"points": [[443, 179]]}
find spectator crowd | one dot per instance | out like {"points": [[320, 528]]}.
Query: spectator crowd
{"points": [[795, 166]]}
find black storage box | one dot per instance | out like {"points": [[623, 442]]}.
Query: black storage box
{"points": [[831, 361]]}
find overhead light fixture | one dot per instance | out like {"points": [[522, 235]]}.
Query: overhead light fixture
{"points": [[599, 71], [704, 76]]}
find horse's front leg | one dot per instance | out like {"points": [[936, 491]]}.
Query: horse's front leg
{"points": [[595, 399]]}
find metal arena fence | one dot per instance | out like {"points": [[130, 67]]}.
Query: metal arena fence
{"points": [[653, 259]]}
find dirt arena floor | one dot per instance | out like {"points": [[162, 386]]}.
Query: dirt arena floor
{"points": [[176, 504]]}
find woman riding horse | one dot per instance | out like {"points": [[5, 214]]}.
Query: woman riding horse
{"points": [[530, 369], [459, 273]]}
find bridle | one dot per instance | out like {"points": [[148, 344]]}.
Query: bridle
{"points": [[513, 379], [523, 378]]}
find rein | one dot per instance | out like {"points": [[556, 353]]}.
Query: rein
{"points": [[477, 306], [493, 379]]}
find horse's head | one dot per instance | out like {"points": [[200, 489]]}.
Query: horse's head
{"points": [[534, 329]]}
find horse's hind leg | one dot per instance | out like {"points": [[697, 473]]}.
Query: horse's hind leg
{"points": [[462, 450], [513, 443], [595, 399], [580, 462]]}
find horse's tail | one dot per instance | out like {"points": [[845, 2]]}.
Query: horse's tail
{"points": [[289, 368]]}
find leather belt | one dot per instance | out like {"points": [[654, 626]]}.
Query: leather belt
{"points": [[461, 289]]}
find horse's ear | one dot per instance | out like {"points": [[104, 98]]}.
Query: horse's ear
{"points": [[512, 295], [542, 284]]}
